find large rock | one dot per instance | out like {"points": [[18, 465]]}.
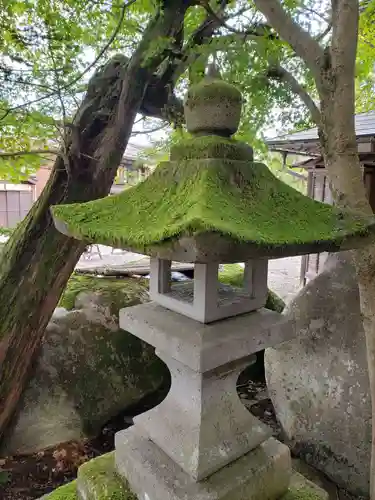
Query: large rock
{"points": [[88, 369], [319, 382]]}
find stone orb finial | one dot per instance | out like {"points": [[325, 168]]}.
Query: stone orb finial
{"points": [[213, 107]]}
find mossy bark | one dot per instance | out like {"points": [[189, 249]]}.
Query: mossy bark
{"points": [[38, 259]]}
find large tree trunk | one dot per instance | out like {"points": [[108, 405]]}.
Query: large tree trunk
{"points": [[339, 144], [344, 169], [334, 72], [38, 260]]}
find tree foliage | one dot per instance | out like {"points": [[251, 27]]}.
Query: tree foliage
{"points": [[50, 48]]}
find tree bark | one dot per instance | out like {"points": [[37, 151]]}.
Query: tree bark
{"points": [[334, 72], [38, 260], [338, 139]]}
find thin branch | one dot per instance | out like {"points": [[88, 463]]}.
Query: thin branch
{"points": [[300, 40], [255, 30], [316, 13], [150, 131], [201, 36], [280, 73], [87, 69], [20, 81], [324, 33], [57, 81], [32, 152], [367, 42]]}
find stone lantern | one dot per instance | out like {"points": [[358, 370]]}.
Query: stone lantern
{"points": [[209, 204]]}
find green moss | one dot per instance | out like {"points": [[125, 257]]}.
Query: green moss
{"points": [[66, 492], [100, 479], [212, 89], [211, 146], [115, 292], [274, 302], [301, 494], [240, 200], [6, 231], [301, 488], [232, 274]]}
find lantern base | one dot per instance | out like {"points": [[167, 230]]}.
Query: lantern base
{"points": [[262, 473]]}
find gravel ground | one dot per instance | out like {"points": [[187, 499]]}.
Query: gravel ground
{"points": [[284, 276]]}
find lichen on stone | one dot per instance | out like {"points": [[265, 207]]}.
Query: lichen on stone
{"points": [[240, 200]]}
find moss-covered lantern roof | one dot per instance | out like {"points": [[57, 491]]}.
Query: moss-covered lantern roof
{"points": [[212, 202]]}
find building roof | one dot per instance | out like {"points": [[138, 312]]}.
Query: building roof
{"points": [[307, 142]]}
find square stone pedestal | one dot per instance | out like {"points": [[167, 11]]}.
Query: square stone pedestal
{"points": [[201, 443], [263, 473]]}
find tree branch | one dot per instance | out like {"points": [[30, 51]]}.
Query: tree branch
{"points": [[324, 33], [150, 131], [300, 40], [345, 34], [280, 73], [31, 152], [81, 75], [256, 29], [202, 35]]}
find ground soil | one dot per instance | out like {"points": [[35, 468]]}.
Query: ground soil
{"points": [[28, 477]]}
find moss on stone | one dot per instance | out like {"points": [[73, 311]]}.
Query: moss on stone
{"points": [[301, 493], [114, 292], [240, 200], [301, 488], [211, 146], [100, 480], [232, 274], [274, 302], [212, 89], [66, 492]]}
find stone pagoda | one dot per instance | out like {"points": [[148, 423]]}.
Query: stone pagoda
{"points": [[211, 203]]}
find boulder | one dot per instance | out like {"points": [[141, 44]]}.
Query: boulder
{"points": [[318, 382], [88, 370]]}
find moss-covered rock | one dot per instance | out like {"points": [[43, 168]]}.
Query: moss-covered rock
{"points": [[88, 371], [66, 492], [99, 480], [302, 489], [114, 293], [232, 274]]}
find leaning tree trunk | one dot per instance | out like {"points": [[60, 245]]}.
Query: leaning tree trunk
{"points": [[38, 260]]}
